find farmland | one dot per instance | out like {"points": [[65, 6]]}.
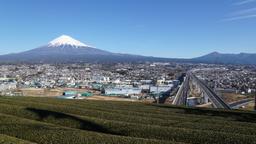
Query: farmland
{"points": [[4, 139], [49, 120]]}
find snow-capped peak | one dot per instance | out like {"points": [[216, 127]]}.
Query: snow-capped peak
{"points": [[65, 40]]}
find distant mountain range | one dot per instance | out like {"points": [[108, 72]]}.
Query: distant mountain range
{"points": [[218, 58], [65, 49]]}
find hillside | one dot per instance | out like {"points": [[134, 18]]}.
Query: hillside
{"points": [[220, 58], [48, 120]]}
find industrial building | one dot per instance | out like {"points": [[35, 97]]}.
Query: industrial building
{"points": [[123, 91]]}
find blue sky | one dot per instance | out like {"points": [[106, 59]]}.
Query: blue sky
{"points": [[164, 28]]}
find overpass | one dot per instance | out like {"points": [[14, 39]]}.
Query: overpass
{"points": [[209, 95]]}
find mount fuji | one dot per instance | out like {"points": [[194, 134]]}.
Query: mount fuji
{"points": [[65, 46], [66, 49]]}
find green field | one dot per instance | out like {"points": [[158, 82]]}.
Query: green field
{"points": [[56, 121]]}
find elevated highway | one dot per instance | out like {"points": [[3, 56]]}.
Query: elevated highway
{"points": [[208, 94], [182, 94]]}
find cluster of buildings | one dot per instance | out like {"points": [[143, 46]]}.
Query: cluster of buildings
{"points": [[7, 84], [233, 79], [111, 79], [141, 88], [125, 79]]}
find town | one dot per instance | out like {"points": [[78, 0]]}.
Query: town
{"points": [[149, 81]]}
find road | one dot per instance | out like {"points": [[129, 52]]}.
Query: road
{"points": [[240, 103], [214, 98], [181, 96]]}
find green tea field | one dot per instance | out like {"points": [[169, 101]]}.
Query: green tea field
{"points": [[56, 121]]}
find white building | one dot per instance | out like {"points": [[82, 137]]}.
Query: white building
{"points": [[8, 86], [122, 91], [159, 89]]}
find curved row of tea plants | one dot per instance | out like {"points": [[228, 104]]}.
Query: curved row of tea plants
{"points": [[4, 139], [44, 133]]}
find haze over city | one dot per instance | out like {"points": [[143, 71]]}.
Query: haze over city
{"points": [[165, 28]]}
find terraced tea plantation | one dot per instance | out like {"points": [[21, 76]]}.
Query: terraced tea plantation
{"points": [[48, 120]]}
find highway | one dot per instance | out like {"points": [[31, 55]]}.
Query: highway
{"points": [[182, 94], [214, 98]]}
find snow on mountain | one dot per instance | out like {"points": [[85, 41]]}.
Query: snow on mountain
{"points": [[65, 40]]}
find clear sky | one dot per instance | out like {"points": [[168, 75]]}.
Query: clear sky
{"points": [[164, 28]]}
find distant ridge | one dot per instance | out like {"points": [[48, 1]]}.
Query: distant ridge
{"points": [[66, 49], [219, 58]]}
